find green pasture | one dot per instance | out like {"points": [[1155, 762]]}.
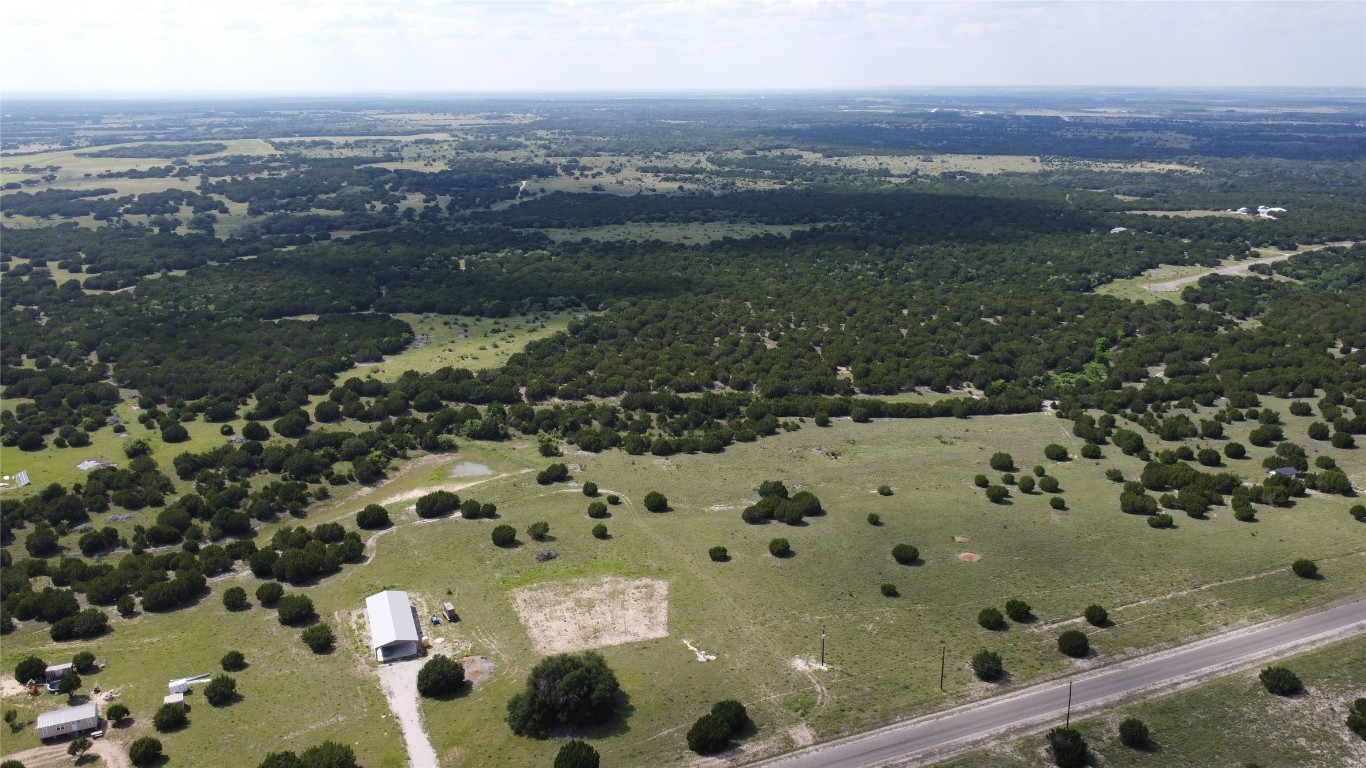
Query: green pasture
{"points": [[1229, 721], [73, 167], [465, 342], [760, 616]]}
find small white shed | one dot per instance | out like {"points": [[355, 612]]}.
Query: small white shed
{"points": [[393, 631], [64, 722]]}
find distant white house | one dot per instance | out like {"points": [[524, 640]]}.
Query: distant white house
{"points": [[1285, 471], [64, 722], [1118, 230], [393, 630]]}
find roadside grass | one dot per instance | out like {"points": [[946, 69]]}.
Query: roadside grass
{"points": [[762, 617], [1230, 720]]}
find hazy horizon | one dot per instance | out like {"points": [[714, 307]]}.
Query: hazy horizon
{"points": [[142, 48]]}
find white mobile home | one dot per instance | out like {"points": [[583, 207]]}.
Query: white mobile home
{"points": [[393, 631], [64, 722]]}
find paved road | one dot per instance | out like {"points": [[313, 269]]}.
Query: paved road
{"points": [[914, 738]]}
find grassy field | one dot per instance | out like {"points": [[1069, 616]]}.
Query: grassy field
{"points": [[467, 342], [1230, 721], [760, 616], [1136, 288], [73, 168]]}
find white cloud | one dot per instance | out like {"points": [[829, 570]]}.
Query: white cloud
{"points": [[464, 45]]}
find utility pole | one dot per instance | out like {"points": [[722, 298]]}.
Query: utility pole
{"points": [[822, 645], [1067, 721], [943, 657]]}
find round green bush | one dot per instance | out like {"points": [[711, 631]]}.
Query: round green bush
{"points": [[590, 489], [169, 718], [319, 638], [145, 751], [1074, 643], [269, 593], [987, 666], [233, 661], [709, 735], [1002, 462], [1162, 520], [874, 519], [597, 510], [997, 493], [503, 536], [718, 554], [613, 499], [1068, 748], [991, 618], [1305, 569], [889, 590], [1055, 452], [1018, 610], [1048, 484], [1281, 681], [1096, 616], [1090, 451], [221, 691], [1026, 484], [981, 481], [295, 610], [884, 490], [600, 531], [234, 598], [538, 530], [905, 554], [1058, 502], [440, 676], [656, 502], [373, 518], [576, 754], [780, 548], [1133, 733]]}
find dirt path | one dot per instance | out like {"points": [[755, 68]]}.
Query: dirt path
{"points": [[1236, 269], [111, 755], [399, 681]]}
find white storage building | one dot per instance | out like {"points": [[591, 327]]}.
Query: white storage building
{"points": [[393, 630], [64, 722]]}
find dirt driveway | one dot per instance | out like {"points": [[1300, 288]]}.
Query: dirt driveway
{"points": [[399, 681], [111, 755]]}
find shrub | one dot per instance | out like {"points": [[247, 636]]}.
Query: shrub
{"points": [[576, 754], [613, 499], [1018, 610], [145, 751], [1358, 512], [1008, 479], [1090, 451], [709, 735], [233, 661], [126, 605], [1343, 440], [319, 638], [220, 691], [538, 530], [1055, 452], [1026, 484], [83, 662], [981, 481], [1074, 643], [1162, 520], [656, 502], [997, 493], [504, 536], [1002, 462], [440, 676], [269, 594], [1133, 733], [31, 668], [780, 548], [554, 473], [573, 690], [437, 504], [1048, 484], [597, 510], [889, 590], [884, 490], [1096, 616], [718, 554], [169, 718], [1305, 569], [733, 713], [600, 531], [905, 554], [91, 622], [373, 518], [1058, 502], [590, 489], [987, 666], [542, 555], [1235, 450], [234, 598], [1356, 717], [116, 712], [1114, 475], [874, 519], [295, 610], [1281, 681], [1068, 748], [328, 754], [990, 618]]}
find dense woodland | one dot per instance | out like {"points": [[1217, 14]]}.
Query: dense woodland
{"points": [[982, 286]]}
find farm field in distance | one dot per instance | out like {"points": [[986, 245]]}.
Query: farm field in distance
{"points": [[1037, 368]]}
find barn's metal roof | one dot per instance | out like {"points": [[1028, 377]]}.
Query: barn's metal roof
{"points": [[391, 619], [68, 715]]}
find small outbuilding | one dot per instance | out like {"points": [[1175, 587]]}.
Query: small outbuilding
{"points": [[176, 700], [1290, 472], [57, 672], [69, 721], [393, 630], [448, 611]]}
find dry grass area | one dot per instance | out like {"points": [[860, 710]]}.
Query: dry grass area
{"points": [[577, 615]]}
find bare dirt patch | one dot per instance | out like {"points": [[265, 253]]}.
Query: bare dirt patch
{"points": [[960, 539], [477, 669], [580, 614], [969, 557], [111, 755]]}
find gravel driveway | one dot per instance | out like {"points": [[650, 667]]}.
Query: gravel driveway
{"points": [[399, 681]]}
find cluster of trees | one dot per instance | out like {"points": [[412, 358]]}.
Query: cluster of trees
{"points": [[577, 690], [775, 504], [713, 731]]}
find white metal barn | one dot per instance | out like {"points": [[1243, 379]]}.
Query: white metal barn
{"points": [[63, 722], [393, 632]]}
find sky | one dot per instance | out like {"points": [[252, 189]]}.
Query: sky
{"points": [[99, 47]]}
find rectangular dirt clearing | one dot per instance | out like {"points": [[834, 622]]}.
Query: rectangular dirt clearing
{"points": [[580, 614]]}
